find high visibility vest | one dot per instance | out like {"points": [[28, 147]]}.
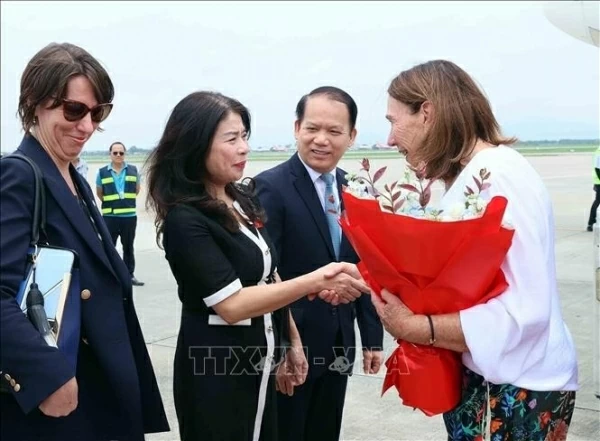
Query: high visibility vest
{"points": [[114, 203], [596, 155]]}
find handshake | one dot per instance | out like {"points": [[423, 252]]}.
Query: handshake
{"points": [[338, 282]]}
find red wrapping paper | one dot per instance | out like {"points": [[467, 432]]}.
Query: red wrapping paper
{"points": [[434, 268]]}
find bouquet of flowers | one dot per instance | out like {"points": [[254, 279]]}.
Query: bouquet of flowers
{"points": [[436, 261]]}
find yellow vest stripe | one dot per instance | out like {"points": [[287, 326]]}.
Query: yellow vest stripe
{"points": [[123, 210]]}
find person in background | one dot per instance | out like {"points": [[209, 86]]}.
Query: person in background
{"points": [[233, 320], [117, 186], [518, 354], [112, 393], [81, 166], [596, 203], [302, 200]]}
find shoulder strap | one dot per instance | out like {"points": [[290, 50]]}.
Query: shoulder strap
{"points": [[39, 202]]}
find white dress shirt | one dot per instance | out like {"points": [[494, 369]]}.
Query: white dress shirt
{"points": [[519, 337], [320, 184]]}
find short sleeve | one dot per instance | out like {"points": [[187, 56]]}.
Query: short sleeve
{"points": [[98, 180], [197, 260]]}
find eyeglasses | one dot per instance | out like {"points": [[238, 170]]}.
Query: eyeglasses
{"points": [[75, 111], [118, 153]]}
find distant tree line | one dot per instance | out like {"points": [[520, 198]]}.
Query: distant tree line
{"points": [[134, 150], [558, 142]]}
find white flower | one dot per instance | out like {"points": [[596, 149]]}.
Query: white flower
{"points": [[471, 207], [457, 210], [359, 189]]}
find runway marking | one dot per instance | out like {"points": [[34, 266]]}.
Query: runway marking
{"points": [[562, 177]]}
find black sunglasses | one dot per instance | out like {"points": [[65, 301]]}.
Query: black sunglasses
{"points": [[118, 153], [76, 110]]}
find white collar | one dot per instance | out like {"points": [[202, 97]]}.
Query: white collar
{"points": [[314, 175]]}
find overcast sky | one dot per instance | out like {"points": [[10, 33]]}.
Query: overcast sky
{"points": [[543, 84]]}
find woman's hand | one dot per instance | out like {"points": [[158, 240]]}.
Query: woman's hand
{"points": [[292, 372], [62, 402], [339, 282], [395, 316]]}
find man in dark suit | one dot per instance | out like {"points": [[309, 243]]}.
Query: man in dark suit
{"points": [[113, 385], [302, 199]]}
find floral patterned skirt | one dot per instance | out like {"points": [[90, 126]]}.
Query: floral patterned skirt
{"points": [[516, 414]]}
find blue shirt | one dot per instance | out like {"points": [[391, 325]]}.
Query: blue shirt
{"points": [[119, 184], [82, 168]]}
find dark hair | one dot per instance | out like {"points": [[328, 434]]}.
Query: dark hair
{"points": [[462, 115], [49, 71], [117, 143], [333, 93], [177, 166]]}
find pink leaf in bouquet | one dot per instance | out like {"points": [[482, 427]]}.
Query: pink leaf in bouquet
{"points": [[409, 187], [393, 185], [477, 182], [487, 175], [387, 188], [365, 164], [395, 196], [398, 204], [485, 186], [378, 174], [469, 191], [387, 207]]}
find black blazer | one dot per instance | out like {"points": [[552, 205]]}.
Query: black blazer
{"points": [[298, 228], [118, 392]]}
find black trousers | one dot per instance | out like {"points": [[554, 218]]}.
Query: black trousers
{"points": [[314, 412], [592, 219], [124, 227]]}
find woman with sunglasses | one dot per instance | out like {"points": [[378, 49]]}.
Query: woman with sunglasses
{"points": [[111, 393]]}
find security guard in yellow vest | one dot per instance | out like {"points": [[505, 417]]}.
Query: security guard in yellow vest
{"points": [[592, 218], [117, 187]]}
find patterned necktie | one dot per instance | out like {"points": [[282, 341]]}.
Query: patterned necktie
{"points": [[332, 213]]}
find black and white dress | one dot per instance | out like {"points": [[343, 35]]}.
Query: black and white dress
{"points": [[224, 382]]}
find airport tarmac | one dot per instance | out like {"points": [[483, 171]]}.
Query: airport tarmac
{"points": [[367, 415]]}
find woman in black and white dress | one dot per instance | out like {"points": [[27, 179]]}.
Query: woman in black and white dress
{"points": [[225, 266]]}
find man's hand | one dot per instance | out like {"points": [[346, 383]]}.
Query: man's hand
{"points": [[328, 296], [372, 361], [339, 282], [63, 401]]}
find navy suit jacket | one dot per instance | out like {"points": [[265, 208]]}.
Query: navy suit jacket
{"points": [[298, 228], [118, 393]]}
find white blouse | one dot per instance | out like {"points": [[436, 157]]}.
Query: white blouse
{"points": [[519, 337]]}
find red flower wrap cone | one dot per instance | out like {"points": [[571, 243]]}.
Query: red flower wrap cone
{"points": [[434, 268]]}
